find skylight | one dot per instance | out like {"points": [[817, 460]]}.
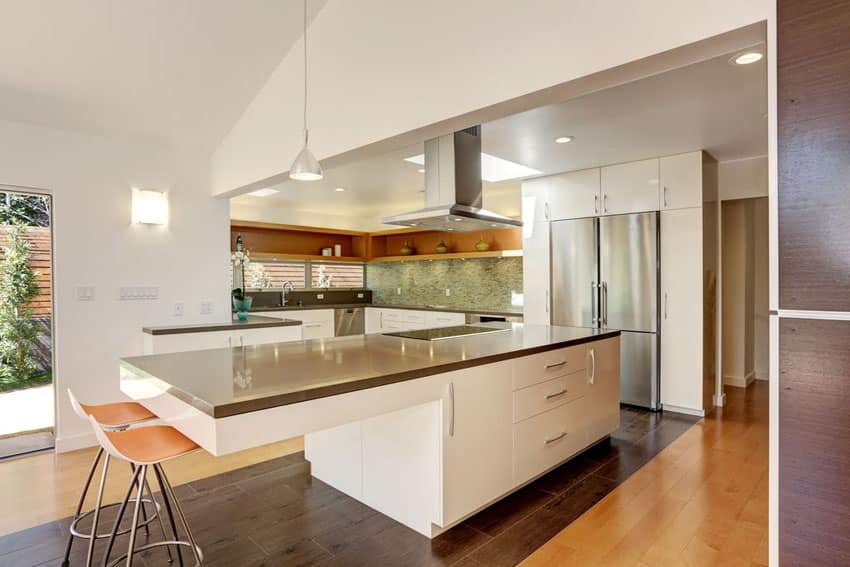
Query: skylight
{"points": [[493, 168], [263, 192]]}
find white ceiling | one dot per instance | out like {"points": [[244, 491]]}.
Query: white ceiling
{"points": [[711, 105], [176, 70]]}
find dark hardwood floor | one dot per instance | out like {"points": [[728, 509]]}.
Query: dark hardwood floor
{"points": [[274, 514]]}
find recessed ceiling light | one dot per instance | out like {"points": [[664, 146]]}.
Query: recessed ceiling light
{"points": [[563, 139], [421, 170], [747, 57], [263, 192], [493, 168], [339, 189]]}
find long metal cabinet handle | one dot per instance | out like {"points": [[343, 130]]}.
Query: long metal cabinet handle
{"points": [[665, 305], [665, 196], [230, 341], [556, 365], [556, 437], [593, 318], [242, 340], [546, 211], [452, 415], [596, 203], [592, 353], [547, 301], [605, 203], [556, 394]]}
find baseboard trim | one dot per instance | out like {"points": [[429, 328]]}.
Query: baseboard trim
{"points": [[66, 444], [760, 376], [684, 410], [738, 381], [719, 401]]}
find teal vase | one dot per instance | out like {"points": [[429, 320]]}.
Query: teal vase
{"points": [[242, 306]]}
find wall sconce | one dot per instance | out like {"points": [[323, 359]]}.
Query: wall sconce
{"points": [[150, 207]]}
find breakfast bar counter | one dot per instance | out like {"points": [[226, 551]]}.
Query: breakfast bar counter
{"points": [[424, 431]]}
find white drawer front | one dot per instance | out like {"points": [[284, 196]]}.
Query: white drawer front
{"points": [[439, 319], [318, 315], [541, 367], [543, 441], [550, 394], [317, 329]]}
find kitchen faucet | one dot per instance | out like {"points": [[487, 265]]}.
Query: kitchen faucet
{"points": [[287, 286]]}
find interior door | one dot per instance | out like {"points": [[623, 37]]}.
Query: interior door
{"points": [[628, 257], [574, 273]]}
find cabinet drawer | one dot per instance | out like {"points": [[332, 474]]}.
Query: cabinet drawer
{"points": [[414, 317], [391, 315], [543, 441], [317, 329], [537, 368], [438, 319], [550, 394]]}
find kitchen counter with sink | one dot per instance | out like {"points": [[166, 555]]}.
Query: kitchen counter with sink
{"points": [[425, 431]]}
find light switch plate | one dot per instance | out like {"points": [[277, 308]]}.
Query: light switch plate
{"points": [[206, 308], [179, 309], [85, 293], [448, 292], [137, 293]]}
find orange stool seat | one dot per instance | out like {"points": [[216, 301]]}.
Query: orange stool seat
{"points": [[119, 413], [152, 444]]}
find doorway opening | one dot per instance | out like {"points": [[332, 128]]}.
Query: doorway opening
{"points": [[26, 322]]}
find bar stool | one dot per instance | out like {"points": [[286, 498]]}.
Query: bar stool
{"points": [[114, 417], [143, 448]]}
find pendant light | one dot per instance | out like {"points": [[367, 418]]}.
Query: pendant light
{"points": [[305, 167]]}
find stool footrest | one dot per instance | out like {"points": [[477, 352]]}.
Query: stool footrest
{"points": [[175, 543], [76, 533]]}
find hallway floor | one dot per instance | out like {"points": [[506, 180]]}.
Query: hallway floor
{"points": [[701, 501]]}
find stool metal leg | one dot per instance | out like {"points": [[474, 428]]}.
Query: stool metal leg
{"points": [[158, 513], [144, 512], [81, 503], [195, 549], [90, 554], [134, 528], [167, 501], [120, 515]]}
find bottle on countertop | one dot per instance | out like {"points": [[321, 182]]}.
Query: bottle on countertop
{"points": [[239, 246]]}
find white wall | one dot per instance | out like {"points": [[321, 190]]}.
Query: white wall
{"points": [[379, 69], [742, 178], [95, 244]]}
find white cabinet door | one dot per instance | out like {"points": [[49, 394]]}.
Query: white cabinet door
{"points": [[630, 187], [266, 335], [182, 342], [434, 319], [575, 194], [477, 438], [535, 205], [373, 320], [316, 323], [603, 391], [681, 181], [536, 274], [681, 309]]}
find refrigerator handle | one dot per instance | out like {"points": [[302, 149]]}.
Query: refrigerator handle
{"points": [[605, 303], [665, 305], [593, 303]]}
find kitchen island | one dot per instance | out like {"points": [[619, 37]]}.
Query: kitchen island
{"points": [[426, 432]]}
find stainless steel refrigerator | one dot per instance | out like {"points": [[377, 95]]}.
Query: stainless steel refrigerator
{"points": [[605, 274]]}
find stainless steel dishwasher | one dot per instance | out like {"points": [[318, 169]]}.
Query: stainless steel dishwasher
{"points": [[349, 321]]}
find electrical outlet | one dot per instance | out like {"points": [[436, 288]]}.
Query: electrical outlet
{"points": [[320, 296], [206, 308], [448, 292], [398, 291], [360, 296], [179, 309]]}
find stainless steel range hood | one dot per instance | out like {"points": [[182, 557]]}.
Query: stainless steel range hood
{"points": [[453, 188]]}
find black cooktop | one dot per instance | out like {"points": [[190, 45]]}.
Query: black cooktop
{"points": [[445, 332]]}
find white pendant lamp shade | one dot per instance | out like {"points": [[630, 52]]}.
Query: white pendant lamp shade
{"points": [[305, 167]]}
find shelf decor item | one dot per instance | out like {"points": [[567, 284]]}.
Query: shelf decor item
{"points": [[406, 249], [441, 247], [241, 302], [482, 245]]}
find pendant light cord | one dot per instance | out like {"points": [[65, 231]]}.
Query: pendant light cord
{"points": [[306, 132]]}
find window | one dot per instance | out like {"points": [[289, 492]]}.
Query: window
{"points": [[341, 275]]}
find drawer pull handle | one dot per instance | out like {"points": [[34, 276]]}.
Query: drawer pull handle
{"points": [[313, 325], [556, 394], [556, 365], [556, 438]]}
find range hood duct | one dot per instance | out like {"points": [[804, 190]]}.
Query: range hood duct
{"points": [[453, 188]]}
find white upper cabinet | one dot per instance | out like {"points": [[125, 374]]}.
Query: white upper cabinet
{"points": [[681, 181], [574, 195], [535, 206], [536, 272], [630, 187]]}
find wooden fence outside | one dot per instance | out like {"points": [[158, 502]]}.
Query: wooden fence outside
{"points": [[39, 239]]}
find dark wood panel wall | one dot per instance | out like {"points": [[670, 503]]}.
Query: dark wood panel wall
{"points": [[813, 62]]}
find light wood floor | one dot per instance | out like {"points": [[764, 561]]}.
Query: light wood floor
{"points": [[701, 501], [45, 487]]}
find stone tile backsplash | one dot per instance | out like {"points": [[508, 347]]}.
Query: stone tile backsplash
{"points": [[481, 283]]}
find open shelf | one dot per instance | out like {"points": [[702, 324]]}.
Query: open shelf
{"points": [[450, 256]]}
